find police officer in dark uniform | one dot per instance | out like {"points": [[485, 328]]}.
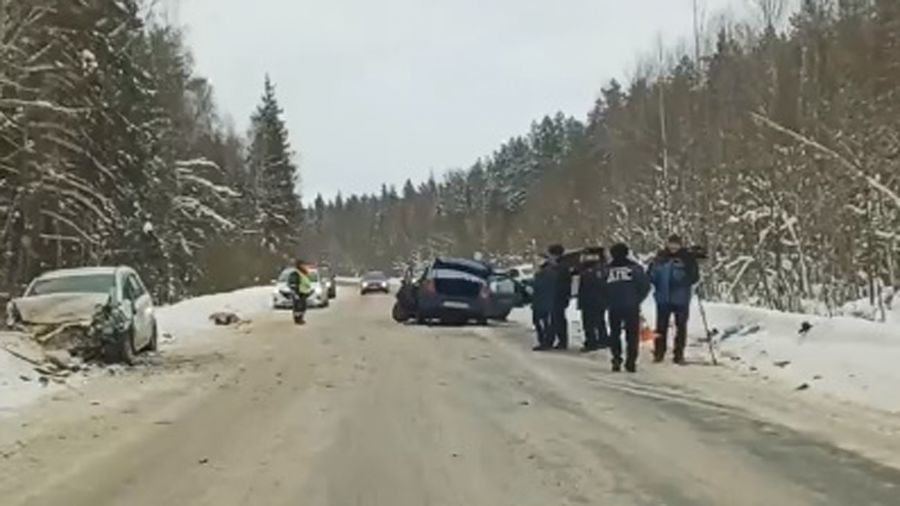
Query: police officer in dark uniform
{"points": [[542, 305], [626, 286], [591, 301], [563, 295]]}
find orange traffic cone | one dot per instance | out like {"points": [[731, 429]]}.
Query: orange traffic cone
{"points": [[647, 334]]}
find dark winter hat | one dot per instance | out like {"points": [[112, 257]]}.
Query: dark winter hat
{"points": [[556, 250], [619, 251], [675, 239]]}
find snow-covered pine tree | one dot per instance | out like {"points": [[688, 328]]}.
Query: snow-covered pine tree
{"points": [[274, 175]]}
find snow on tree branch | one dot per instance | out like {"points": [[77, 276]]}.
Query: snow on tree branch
{"points": [[848, 165], [193, 208]]}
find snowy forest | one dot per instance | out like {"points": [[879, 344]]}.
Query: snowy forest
{"points": [[777, 147], [112, 151]]}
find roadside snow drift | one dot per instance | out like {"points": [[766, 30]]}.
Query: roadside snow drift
{"points": [[188, 321], [19, 384], [849, 358]]}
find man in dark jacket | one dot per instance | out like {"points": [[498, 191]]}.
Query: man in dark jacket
{"points": [[673, 273], [626, 286], [542, 305], [591, 301], [563, 295]]}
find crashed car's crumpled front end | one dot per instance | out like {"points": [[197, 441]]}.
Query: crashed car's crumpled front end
{"points": [[109, 323], [78, 323]]}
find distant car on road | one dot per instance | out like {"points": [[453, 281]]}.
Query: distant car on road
{"points": [[319, 298], [111, 303], [450, 290], [282, 298], [524, 280], [374, 281], [522, 271]]}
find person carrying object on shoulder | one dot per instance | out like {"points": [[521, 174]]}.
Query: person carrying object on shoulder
{"points": [[673, 273]]}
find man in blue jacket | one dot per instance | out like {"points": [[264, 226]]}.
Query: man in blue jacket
{"points": [[673, 272], [625, 288]]}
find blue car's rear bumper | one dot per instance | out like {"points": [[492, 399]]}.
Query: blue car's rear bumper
{"points": [[439, 306]]}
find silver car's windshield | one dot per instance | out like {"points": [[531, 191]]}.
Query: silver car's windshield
{"points": [[90, 283], [285, 274]]}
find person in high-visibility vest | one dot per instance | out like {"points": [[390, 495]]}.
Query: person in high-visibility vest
{"points": [[301, 287]]}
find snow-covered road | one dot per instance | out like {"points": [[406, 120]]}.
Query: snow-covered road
{"points": [[355, 409], [845, 358]]}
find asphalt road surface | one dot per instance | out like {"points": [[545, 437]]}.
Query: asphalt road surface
{"points": [[355, 410]]}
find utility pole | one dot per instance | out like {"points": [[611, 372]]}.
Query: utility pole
{"points": [[172, 12], [697, 32], [664, 140], [2, 19], [698, 55]]}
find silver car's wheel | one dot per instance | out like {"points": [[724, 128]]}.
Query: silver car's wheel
{"points": [[153, 345], [120, 349]]}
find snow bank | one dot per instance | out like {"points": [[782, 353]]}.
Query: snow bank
{"points": [[19, 383], [843, 357], [848, 358], [189, 321], [888, 310]]}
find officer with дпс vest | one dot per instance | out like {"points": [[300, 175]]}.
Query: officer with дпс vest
{"points": [[625, 288]]}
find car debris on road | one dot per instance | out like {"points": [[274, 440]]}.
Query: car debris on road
{"points": [[225, 318]]}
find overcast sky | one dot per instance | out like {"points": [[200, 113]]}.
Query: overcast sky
{"points": [[380, 90]]}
